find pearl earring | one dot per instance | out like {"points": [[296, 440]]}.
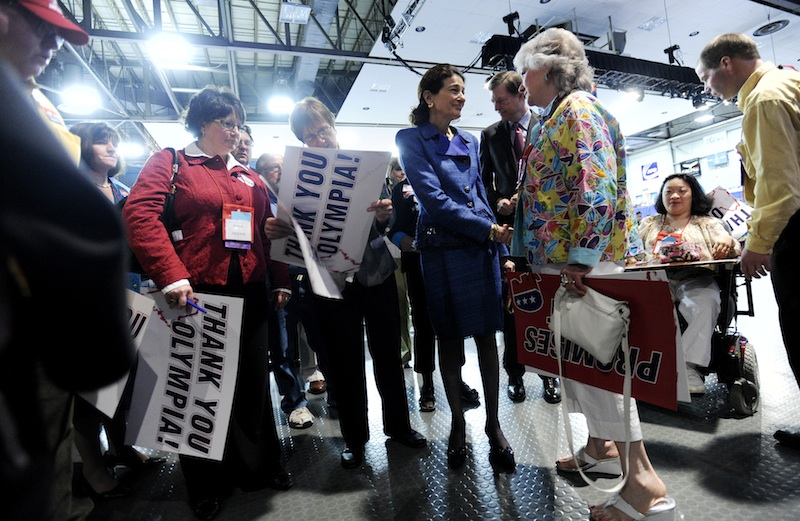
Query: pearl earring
{"points": [[430, 105]]}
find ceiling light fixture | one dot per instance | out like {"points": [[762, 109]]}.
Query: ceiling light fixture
{"points": [[169, 50], [280, 104], [634, 93], [544, 1], [129, 149], [79, 99], [652, 23], [770, 28], [292, 13], [705, 118]]}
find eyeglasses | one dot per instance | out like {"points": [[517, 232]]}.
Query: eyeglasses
{"points": [[229, 125], [39, 26], [324, 133], [246, 143]]}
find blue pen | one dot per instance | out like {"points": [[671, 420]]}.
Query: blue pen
{"points": [[195, 306]]}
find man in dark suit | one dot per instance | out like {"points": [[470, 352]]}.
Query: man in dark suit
{"points": [[502, 147]]}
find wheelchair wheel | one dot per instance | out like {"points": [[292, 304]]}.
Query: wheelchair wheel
{"points": [[743, 393]]}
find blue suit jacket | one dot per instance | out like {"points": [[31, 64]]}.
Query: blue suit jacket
{"points": [[447, 182]]}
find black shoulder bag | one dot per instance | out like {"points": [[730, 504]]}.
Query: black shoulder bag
{"points": [[167, 214]]}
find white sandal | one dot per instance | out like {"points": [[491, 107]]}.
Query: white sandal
{"points": [[605, 467], [664, 510]]}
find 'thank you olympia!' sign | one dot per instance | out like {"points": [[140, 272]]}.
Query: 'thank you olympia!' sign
{"points": [[326, 193]]}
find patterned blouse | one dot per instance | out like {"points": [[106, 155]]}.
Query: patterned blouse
{"points": [[575, 205]]}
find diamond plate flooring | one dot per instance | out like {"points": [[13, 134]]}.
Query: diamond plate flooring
{"points": [[717, 466]]}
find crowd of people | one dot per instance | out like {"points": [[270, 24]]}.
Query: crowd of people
{"points": [[460, 211]]}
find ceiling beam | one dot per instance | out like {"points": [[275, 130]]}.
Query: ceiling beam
{"points": [[226, 26], [270, 48], [117, 104]]}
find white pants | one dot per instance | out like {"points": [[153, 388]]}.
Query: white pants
{"points": [[699, 303], [604, 411]]}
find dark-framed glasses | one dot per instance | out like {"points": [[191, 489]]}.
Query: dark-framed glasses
{"points": [[324, 133], [41, 27], [230, 126]]}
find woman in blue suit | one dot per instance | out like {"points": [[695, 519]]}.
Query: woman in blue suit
{"points": [[460, 244]]}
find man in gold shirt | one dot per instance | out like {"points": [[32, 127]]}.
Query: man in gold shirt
{"points": [[31, 32], [769, 96]]}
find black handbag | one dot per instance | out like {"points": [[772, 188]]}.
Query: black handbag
{"points": [[167, 215]]}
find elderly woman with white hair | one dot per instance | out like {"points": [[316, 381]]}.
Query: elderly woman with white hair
{"points": [[576, 219]]}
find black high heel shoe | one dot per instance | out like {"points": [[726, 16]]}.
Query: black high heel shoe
{"points": [[502, 459], [82, 488], [456, 457], [129, 457]]}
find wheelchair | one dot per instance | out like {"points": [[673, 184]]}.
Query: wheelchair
{"points": [[733, 357]]}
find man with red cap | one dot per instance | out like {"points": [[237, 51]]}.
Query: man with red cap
{"points": [[31, 32]]}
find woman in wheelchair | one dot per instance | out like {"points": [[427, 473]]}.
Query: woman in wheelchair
{"points": [[684, 232]]}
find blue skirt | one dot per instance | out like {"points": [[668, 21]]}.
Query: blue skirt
{"points": [[464, 290]]}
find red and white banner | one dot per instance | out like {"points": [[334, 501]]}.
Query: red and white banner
{"points": [[658, 363]]}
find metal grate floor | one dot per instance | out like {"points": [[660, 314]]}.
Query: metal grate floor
{"points": [[717, 467]]}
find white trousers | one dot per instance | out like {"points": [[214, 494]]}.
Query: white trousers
{"points": [[699, 303], [604, 411]]}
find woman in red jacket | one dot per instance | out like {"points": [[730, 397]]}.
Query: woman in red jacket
{"points": [[205, 255]]}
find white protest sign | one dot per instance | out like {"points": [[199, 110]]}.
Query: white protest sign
{"points": [[325, 192], [106, 400], [185, 380], [732, 211]]}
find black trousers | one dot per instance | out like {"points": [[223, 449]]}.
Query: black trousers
{"points": [[786, 285], [252, 450], [424, 337], [340, 322]]}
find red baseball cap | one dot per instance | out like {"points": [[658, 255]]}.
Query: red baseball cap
{"points": [[50, 12]]}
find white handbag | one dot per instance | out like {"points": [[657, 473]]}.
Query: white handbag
{"points": [[595, 322], [599, 324]]}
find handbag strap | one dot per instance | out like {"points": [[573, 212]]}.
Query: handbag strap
{"points": [[555, 322]]}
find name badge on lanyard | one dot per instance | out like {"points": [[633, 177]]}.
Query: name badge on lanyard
{"points": [[237, 226]]}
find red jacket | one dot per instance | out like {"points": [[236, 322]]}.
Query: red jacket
{"points": [[203, 185]]}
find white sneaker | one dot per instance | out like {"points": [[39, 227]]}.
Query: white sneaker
{"points": [[301, 418], [696, 383]]}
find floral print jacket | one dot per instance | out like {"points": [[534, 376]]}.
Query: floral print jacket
{"points": [[575, 205]]}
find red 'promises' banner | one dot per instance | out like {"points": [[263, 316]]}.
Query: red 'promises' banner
{"points": [[653, 335]]}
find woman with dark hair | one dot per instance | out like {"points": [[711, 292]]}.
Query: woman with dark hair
{"points": [[460, 244], [201, 258], [99, 144], [683, 230]]}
